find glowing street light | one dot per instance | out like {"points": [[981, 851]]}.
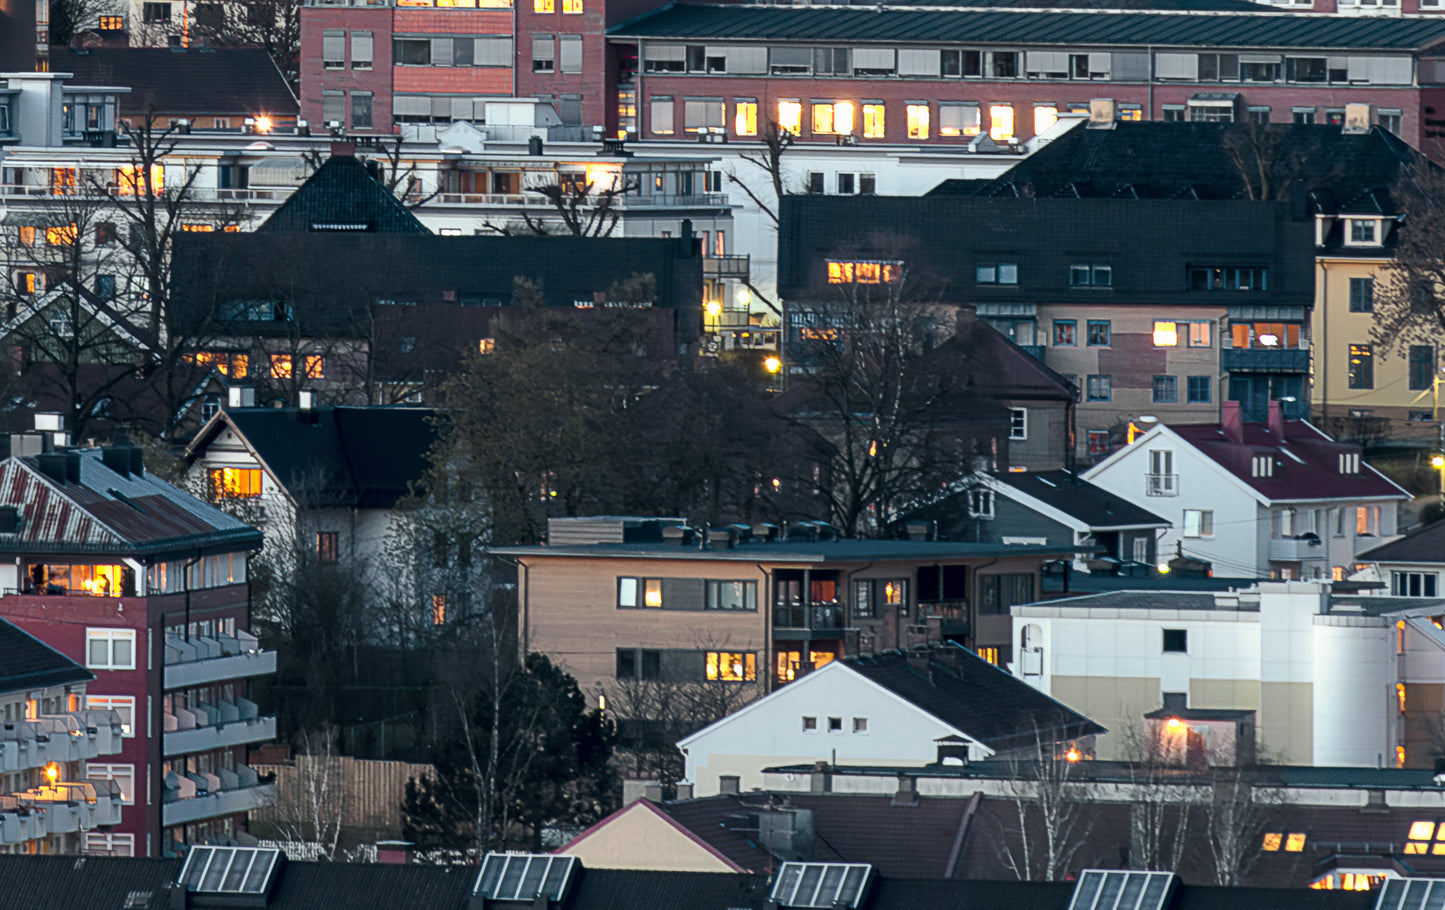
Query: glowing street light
{"points": [[773, 364]]}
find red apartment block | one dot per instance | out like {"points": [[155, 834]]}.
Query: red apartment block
{"points": [[145, 586]]}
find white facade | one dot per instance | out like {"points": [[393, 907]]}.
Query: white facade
{"points": [[774, 730]]}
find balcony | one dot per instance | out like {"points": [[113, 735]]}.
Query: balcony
{"points": [[191, 797], [1296, 549], [63, 738], [210, 660], [65, 807], [1265, 360], [1161, 484], [792, 620], [718, 268], [542, 204], [215, 726], [951, 614]]}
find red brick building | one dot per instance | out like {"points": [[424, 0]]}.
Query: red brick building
{"points": [[145, 586]]}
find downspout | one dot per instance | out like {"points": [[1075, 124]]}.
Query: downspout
{"points": [[769, 652], [1150, 77], [1323, 358], [187, 577]]}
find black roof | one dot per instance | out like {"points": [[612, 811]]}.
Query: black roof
{"points": [[342, 196], [241, 81], [1217, 6], [1090, 504], [364, 458], [967, 692], [1425, 544], [1017, 28], [26, 662]]}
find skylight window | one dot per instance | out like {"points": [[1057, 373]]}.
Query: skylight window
{"points": [[1410, 894], [229, 870], [1100, 890], [821, 885], [524, 877]]}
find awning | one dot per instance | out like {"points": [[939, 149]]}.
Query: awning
{"points": [[1214, 99]]}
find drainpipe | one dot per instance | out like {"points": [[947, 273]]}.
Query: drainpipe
{"points": [[1323, 358], [187, 577], [1150, 82]]}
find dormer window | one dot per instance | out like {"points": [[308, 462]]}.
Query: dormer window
{"points": [[1262, 466], [1363, 231], [1350, 463]]}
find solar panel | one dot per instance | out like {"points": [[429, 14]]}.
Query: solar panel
{"points": [[1121, 890], [229, 870], [820, 885], [1412, 894], [524, 876]]}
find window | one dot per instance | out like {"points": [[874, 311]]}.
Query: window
{"points": [[732, 666], [980, 502], [1363, 230], [867, 184], [1045, 116], [1199, 334], [816, 184], [361, 50], [544, 6], [1098, 442], [661, 119], [1098, 333], [1198, 389], [634, 663], [860, 725], [326, 546], [790, 117], [105, 287], [1198, 523], [1166, 334], [333, 107], [918, 119], [745, 117], [1390, 120], [1422, 366], [639, 592], [112, 23], [1362, 295], [235, 483], [110, 649], [1066, 332], [333, 50], [544, 54], [847, 184], [1173, 113], [874, 120], [438, 609], [833, 117], [863, 599], [1018, 423], [104, 843], [1295, 842], [571, 58], [156, 12], [1166, 389], [1228, 278], [700, 113], [361, 110], [124, 705], [572, 7], [1091, 276], [810, 724], [835, 725], [1272, 841], [1098, 388], [281, 366], [997, 273], [123, 775], [1413, 584], [1001, 122], [1176, 641], [731, 595], [894, 593], [1362, 367], [999, 592], [1257, 114]]}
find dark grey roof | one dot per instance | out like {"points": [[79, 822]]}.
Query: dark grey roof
{"points": [[1020, 28], [1377, 605], [342, 196], [794, 551], [1148, 600], [241, 81], [1425, 544], [26, 662], [85, 882], [1198, 714], [1090, 504], [972, 695], [357, 457]]}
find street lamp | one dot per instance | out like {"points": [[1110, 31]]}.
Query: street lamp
{"points": [[773, 364], [1438, 463]]}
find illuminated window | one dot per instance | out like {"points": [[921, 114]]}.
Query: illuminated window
{"points": [[842, 271], [1294, 843], [1199, 334], [27, 236], [112, 23], [639, 592], [1001, 122], [1399, 756], [1272, 841], [235, 483], [988, 654], [124, 705], [918, 119], [326, 546], [874, 123], [544, 6], [833, 117], [790, 116], [131, 182], [198, 228], [280, 366], [732, 666], [486, 345], [894, 593], [1166, 334], [955, 119], [572, 7], [745, 120], [62, 180], [1362, 367], [1045, 116], [315, 366], [439, 602], [60, 236], [1400, 696]]}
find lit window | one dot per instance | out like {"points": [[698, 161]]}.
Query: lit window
{"points": [[874, 124], [197, 228], [1272, 841], [544, 6], [1422, 830], [988, 654], [486, 345], [1199, 334], [112, 23], [1361, 373], [124, 705], [326, 546], [917, 121], [131, 182], [60, 236], [1400, 696], [1166, 334], [27, 236], [639, 592], [1399, 756], [745, 122], [833, 117], [790, 116], [280, 366], [1295, 843], [110, 649], [732, 666], [235, 483], [572, 7], [1001, 122], [315, 366], [438, 609], [1045, 116]]}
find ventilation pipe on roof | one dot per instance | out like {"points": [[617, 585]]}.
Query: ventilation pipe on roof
{"points": [[1231, 421], [1276, 420], [1357, 119], [1101, 114]]}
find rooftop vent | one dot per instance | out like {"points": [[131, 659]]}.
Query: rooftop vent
{"points": [[821, 885], [1105, 890], [236, 872], [525, 877]]}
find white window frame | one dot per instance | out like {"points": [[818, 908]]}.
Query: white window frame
{"points": [[117, 773], [123, 704], [1197, 526], [1018, 423], [106, 841], [980, 502], [110, 636]]}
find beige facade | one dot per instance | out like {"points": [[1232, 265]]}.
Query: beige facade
{"points": [[641, 836]]}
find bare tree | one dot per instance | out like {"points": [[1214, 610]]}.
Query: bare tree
{"points": [[1268, 157], [68, 18], [1409, 297], [769, 159], [272, 24], [1052, 815], [1236, 822], [311, 801], [578, 207]]}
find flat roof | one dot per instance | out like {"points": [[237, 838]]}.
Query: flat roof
{"points": [[797, 551]]}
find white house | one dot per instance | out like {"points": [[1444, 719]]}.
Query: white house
{"points": [[1410, 566], [891, 709], [1256, 500], [1333, 679]]}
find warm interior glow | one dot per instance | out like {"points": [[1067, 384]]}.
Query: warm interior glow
{"points": [[1173, 723], [652, 592], [1001, 122], [1073, 755], [772, 364], [790, 116], [843, 117], [1166, 334], [52, 772], [263, 124], [235, 483], [712, 308], [1045, 116]]}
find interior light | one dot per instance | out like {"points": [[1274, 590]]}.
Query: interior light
{"points": [[772, 364], [1072, 755], [1437, 461], [713, 308], [263, 124], [52, 772], [1173, 723]]}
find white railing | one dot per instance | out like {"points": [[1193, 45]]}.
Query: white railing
{"points": [[1161, 484]]}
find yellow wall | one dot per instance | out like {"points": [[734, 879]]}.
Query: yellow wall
{"points": [[1334, 328], [638, 838]]}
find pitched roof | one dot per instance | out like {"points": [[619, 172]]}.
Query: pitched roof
{"points": [[342, 196], [1425, 544], [241, 81], [651, 808], [796, 551], [26, 662], [365, 458], [1071, 494], [72, 501], [972, 695], [1015, 28]]}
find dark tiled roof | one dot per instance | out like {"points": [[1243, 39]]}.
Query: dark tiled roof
{"points": [[635, 889], [960, 186], [795, 551], [357, 457], [1198, 714], [83, 882], [1069, 493], [224, 82], [1149, 600], [26, 662], [358, 886], [1238, 6], [1425, 544], [972, 695], [343, 196], [1019, 28]]}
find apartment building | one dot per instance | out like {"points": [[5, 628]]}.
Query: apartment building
{"points": [[59, 793], [145, 586]]}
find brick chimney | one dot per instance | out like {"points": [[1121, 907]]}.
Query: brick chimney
{"points": [[1231, 421], [1276, 420]]}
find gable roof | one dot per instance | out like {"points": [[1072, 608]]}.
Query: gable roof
{"points": [[26, 662], [1067, 492], [342, 196], [363, 457], [973, 696], [72, 501], [651, 809], [239, 81], [1425, 545]]}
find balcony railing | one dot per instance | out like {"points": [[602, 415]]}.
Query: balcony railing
{"points": [[952, 614], [208, 660], [1296, 549], [537, 201], [811, 617], [1161, 484], [77, 736], [1265, 360], [720, 267], [61, 808], [215, 726], [192, 797]]}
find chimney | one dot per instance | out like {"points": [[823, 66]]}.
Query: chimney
{"points": [[1276, 420], [306, 400], [684, 790], [729, 785], [1357, 119], [343, 150], [1231, 421], [395, 852], [952, 750], [822, 781], [1101, 114], [117, 458]]}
